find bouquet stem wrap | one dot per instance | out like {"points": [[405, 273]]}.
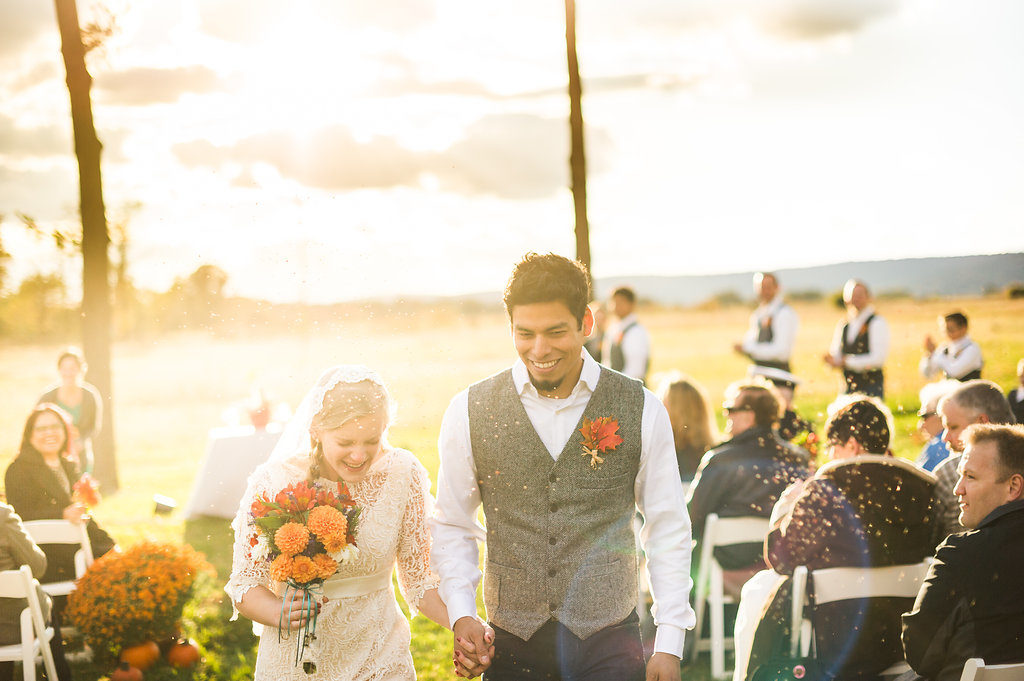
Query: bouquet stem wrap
{"points": [[306, 633]]}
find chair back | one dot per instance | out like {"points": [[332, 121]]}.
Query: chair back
{"points": [[729, 531], [63, 532], [35, 635], [975, 669]]}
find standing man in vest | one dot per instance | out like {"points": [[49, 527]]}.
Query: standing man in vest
{"points": [[560, 452], [627, 345], [861, 343], [769, 340], [959, 358]]}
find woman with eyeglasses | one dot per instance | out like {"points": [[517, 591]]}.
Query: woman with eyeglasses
{"points": [[39, 486]]}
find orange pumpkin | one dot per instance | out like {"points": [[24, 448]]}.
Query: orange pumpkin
{"points": [[184, 653], [126, 672], [142, 655]]}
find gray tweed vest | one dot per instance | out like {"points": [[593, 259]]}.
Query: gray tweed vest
{"points": [[560, 542]]}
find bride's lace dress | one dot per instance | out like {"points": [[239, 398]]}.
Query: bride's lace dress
{"points": [[358, 638]]}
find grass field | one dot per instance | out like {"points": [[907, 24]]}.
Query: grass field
{"points": [[169, 391]]}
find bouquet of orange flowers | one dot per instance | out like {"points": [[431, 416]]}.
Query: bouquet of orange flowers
{"points": [[128, 597], [86, 491], [304, 533]]}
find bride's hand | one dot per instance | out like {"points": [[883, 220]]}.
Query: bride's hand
{"points": [[474, 646], [295, 615]]}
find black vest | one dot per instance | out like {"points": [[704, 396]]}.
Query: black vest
{"points": [[766, 334], [617, 359], [872, 381]]}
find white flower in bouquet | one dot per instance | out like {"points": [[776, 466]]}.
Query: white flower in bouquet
{"points": [[346, 555]]}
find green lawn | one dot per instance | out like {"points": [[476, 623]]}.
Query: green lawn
{"points": [[169, 391]]}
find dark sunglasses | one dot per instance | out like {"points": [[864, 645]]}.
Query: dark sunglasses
{"points": [[922, 414], [728, 409]]}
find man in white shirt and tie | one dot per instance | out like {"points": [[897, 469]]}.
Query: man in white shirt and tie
{"points": [[959, 358], [560, 453], [769, 340], [860, 344]]}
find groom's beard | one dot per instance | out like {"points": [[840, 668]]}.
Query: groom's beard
{"points": [[545, 386]]}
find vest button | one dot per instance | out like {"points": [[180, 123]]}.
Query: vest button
{"points": [[552, 478], [554, 507], [552, 540], [552, 606], [552, 572]]}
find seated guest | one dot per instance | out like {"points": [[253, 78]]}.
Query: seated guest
{"points": [[972, 602], [972, 402], [865, 508], [929, 422], [745, 475], [17, 549], [1015, 396], [39, 486], [693, 423], [791, 424], [959, 358]]}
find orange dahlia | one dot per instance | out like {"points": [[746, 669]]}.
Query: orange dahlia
{"points": [[335, 542], [326, 521], [303, 569], [281, 568], [291, 538], [325, 565]]}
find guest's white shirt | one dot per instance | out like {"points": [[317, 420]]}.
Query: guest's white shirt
{"points": [[878, 333], [784, 324], [665, 536], [954, 359], [636, 346]]}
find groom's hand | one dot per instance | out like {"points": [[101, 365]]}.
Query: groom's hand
{"points": [[663, 667], [473, 649]]}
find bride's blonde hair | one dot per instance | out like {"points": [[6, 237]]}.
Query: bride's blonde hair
{"points": [[343, 403]]}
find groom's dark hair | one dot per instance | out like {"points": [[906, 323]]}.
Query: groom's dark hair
{"points": [[546, 278]]}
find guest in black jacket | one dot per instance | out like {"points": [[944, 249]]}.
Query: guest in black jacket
{"points": [[39, 486], [972, 601]]}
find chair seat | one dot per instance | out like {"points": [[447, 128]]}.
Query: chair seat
{"points": [[58, 588]]}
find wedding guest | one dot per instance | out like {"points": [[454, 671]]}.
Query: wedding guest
{"points": [[17, 549], [860, 344], [595, 340], [958, 358], [693, 421], [627, 347], [971, 603], [1015, 396], [769, 340], [39, 484], [745, 475], [977, 401], [791, 425], [935, 450], [865, 508], [81, 400]]}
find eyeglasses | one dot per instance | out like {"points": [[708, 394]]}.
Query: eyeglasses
{"points": [[47, 429], [922, 414], [731, 409]]}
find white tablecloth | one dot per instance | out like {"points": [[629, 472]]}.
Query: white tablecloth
{"points": [[232, 454]]}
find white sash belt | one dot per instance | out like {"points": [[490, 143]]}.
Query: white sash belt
{"points": [[348, 587]]}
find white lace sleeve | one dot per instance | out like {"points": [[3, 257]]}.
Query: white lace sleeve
{"points": [[414, 575], [249, 567]]}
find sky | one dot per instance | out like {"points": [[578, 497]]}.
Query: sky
{"points": [[326, 150]]}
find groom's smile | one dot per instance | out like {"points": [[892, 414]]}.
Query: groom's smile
{"points": [[549, 340]]}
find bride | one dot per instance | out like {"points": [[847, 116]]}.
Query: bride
{"points": [[339, 434]]}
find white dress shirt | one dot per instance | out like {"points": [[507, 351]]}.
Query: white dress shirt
{"points": [[784, 324], [878, 333], [636, 346], [954, 359], [664, 537]]}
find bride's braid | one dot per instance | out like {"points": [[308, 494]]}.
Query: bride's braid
{"points": [[314, 461]]}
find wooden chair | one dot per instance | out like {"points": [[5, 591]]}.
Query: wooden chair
{"points": [[975, 669], [35, 635], [63, 532], [710, 587]]}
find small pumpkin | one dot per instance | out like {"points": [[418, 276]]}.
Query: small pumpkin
{"points": [[126, 672], [142, 655], [184, 653]]}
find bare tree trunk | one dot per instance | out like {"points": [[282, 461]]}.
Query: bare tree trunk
{"points": [[577, 157], [96, 308]]}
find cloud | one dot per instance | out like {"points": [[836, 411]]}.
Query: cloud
{"points": [[814, 19], [21, 22], [18, 142], [50, 194], [142, 86], [513, 156]]}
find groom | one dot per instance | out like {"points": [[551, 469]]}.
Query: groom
{"points": [[560, 577]]}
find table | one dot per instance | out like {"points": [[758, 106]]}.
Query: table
{"points": [[232, 454]]}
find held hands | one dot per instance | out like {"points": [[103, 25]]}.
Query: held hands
{"points": [[473, 649], [663, 667]]}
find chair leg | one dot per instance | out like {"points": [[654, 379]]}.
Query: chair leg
{"points": [[717, 604]]}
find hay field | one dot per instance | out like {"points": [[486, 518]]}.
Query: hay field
{"points": [[169, 391]]}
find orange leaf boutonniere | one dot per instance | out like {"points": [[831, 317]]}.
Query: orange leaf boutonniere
{"points": [[599, 437]]}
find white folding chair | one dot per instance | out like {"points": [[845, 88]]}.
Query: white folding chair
{"points": [[710, 581], [35, 635], [846, 583], [975, 669], [63, 532]]}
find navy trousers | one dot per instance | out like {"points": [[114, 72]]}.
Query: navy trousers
{"points": [[554, 653]]}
